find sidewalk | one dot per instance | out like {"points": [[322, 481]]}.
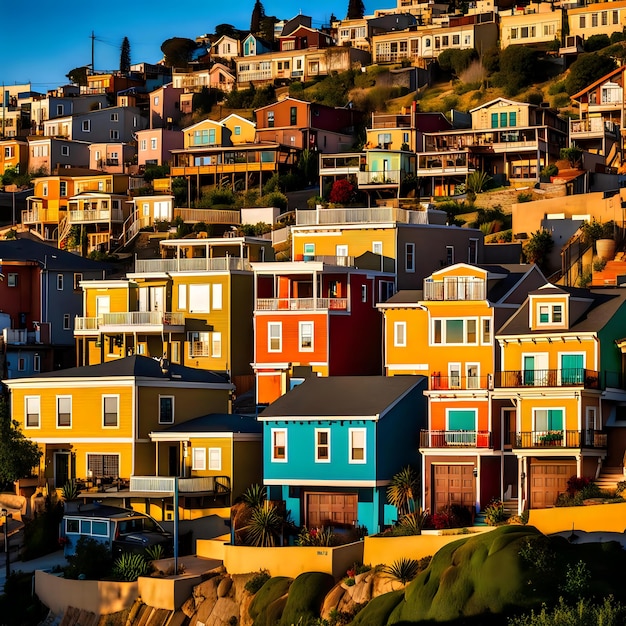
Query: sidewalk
{"points": [[46, 562]]}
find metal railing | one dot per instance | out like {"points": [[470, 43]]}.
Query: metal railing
{"points": [[95, 215], [455, 438], [387, 177], [455, 289], [460, 382], [165, 484], [301, 304], [199, 348], [371, 215], [561, 439], [143, 318], [568, 377], [199, 264]]}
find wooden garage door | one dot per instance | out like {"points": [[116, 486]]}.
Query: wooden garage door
{"points": [[331, 509], [547, 481], [453, 484]]}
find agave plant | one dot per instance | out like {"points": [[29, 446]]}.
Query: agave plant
{"points": [[403, 570], [155, 552], [130, 566], [403, 490], [69, 491], [255, 495], [414, 521], [264, 526]]}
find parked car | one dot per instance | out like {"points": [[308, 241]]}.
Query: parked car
{"points": [[122, 530]]}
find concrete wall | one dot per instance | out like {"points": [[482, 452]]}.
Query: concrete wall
{"points": [[167, 593], [285, 561], [597, 518]]}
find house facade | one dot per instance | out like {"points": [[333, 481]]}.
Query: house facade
{"points": [[329, 461]]}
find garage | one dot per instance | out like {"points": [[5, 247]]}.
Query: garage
{"points": [[331, 509], [453, 484], [547, 480]]}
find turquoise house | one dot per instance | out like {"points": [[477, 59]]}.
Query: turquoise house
{"points": [[332, 444]]}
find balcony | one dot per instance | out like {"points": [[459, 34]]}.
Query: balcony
{"points": [[164, 485], [438, 382], [200, 264], [86, 325], [560, 439], [455, 439], [145, 321], [569, 377], [374, 215], [593, 127], [37, 215], [455, 289], [95, 215], [302, 304], [387, 178], [20, 337]]}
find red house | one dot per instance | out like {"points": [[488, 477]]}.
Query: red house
{"points": [[314, 318]]}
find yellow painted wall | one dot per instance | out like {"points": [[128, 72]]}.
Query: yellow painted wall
{"points": [[481, 119], [358, 241], [204, 125], [513, 353], [224, 444], [248, 130], [570, 406], [167, 593], [596, 518], [118, 298]]}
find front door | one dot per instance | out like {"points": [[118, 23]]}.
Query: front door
{"points": [[591, 424], [61, 468], [172, 466]]}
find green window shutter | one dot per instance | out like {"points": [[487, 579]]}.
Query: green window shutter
{"points": [[503, 117], [512, 118], [462, 420], [572, 369], [555, 419], [494, 120]]}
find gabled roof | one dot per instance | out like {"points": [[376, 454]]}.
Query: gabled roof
{"points": [[288, 98], [202, 123], [235, 115], [211, 424], [134, 366], [501, 99], [590, 310], [342, 397], [606, 77]]}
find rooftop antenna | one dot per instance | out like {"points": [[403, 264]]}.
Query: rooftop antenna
{"points": [[93, 41]]}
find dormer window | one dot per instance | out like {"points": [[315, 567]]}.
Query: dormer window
{"points": [[550, 314]]}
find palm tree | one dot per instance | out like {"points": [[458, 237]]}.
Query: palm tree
{"points": [[264, 527], [403, 490]]}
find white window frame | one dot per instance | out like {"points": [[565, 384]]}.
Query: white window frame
{"points": [[308, 251], [36, 363], [196, 296], [27, 413], [216, 295], [273, 433], [65, 151], [182, 297], [216, 345], [198, 459], [67, 324], [279, 327], [161, 421], [214, 459], [86, 126], [63, 397], [485, 336], [443, 320], [319, 445], [351, 434], [377, 247], [341, 250], [364, 291], [116, 396], [153, 143], [301, 335], [21, 364], [399, 334], [175, 351], [409, 257]]}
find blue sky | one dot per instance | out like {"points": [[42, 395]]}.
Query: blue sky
{"points": [[50, 39]]}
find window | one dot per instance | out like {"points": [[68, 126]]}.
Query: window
{"points": [[409, 257], [217, 297], [274, 336], [77, 278], [377, 247], [114, 134], [198, 343], [456, 40], [341, 250], [512, 118], [503, 119], [524, 32], [270, 119], [216, 345], [215, 459], [547, 420], [594, 20], [182, 297], [449, 255], [605, 18], [309, 251], [21, 364], [513, 33], [454, 331], [322, 445], [86, 126], [472, 251], [166, 409], [486, 330], [198, 458], [59, 282], [175, 351], [237, 130], [293, 116], [66, 322], [156, 101], [100, 465], [63, 188], [582, 21], [153, 143], [44, 189], [110, 411], [363, 293], [279, 444], [464, 421], [12, 280], [65, 151], [550, 314], [615, 17], [199, 298], [143, 144], [305, 335], [32, 409], [36, 363], [114, 117], [64, 411], [399, 334], [59, 109], [357, 445], [384, 139]]}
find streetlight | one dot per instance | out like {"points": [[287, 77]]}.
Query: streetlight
{"points": [[7, 516]]}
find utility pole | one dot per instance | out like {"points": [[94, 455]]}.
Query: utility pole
{"points": [[93, 41]]}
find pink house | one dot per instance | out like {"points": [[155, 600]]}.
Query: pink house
{"points": [[165, 106], [154, 145], [220, 77]]}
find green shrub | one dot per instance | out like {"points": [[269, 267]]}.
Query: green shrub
{"points": [[92, 560], [599, 263], [537, 553], [583, 613], [596, 42], [272, 590], [403, 570], [534, 97], [306, 596], [560, 100], [41, 534], [130, 566], [577, 579], [257, 581], [558, 87], [274, 199], [548, 171], [524, 196], [495, 513]]}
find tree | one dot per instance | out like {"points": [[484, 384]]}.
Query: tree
{"points": [[258, 13], [403, 490], [225, 30], [457, 61], [587, 69], [356, 9], [307, 165], [518, 68], [573, 154], [177, 51], [342, 191], [538, 248], [596, 42], [18, 455], [78, 75], [267, 27], [125, 56]]}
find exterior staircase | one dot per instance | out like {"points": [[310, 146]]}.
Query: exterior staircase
{"points": [[510, 508], [609, 477]]}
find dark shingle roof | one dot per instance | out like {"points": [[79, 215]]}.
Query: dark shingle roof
{"points": [[341, 396], [54, 259], [217, 423], [138, 366]]}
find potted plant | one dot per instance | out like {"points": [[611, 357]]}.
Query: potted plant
{"points": [[551, 439], [601, 237]]}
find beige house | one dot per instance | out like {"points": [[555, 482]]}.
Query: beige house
{"points": [[536, 23], [601, 18]]}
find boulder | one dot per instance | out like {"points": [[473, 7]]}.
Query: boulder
{"points": [[332, 600], [224, 587]]}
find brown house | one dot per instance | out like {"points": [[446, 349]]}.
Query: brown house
{"points": [[303, 38]]}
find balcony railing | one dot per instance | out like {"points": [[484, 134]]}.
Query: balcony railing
{"points": [[460, 382], [561, 439], [455, 289], [301, 304], [86, 323], [143, 318], [200, 264], [388, 177], [593, 125], [568, 377], [373, 215], [165, 484], [455, 438], [96, 215], [199, 348]]}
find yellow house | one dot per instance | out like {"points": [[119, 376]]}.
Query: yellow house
{"points": [[203, 134], [533, 24], [93, 424], [600, 18], [446, 332], [238, 129], [560, 385], [13, 155]]}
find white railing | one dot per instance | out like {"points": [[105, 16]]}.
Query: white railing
{"points": [[143, 318], [209, 216], [165, 484], [388, 177], [593, 125], [310, 217], [201, 264], [157, 484], [301, 304], [15, 336], [86, 323], [454, 289], [96, 215]]}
